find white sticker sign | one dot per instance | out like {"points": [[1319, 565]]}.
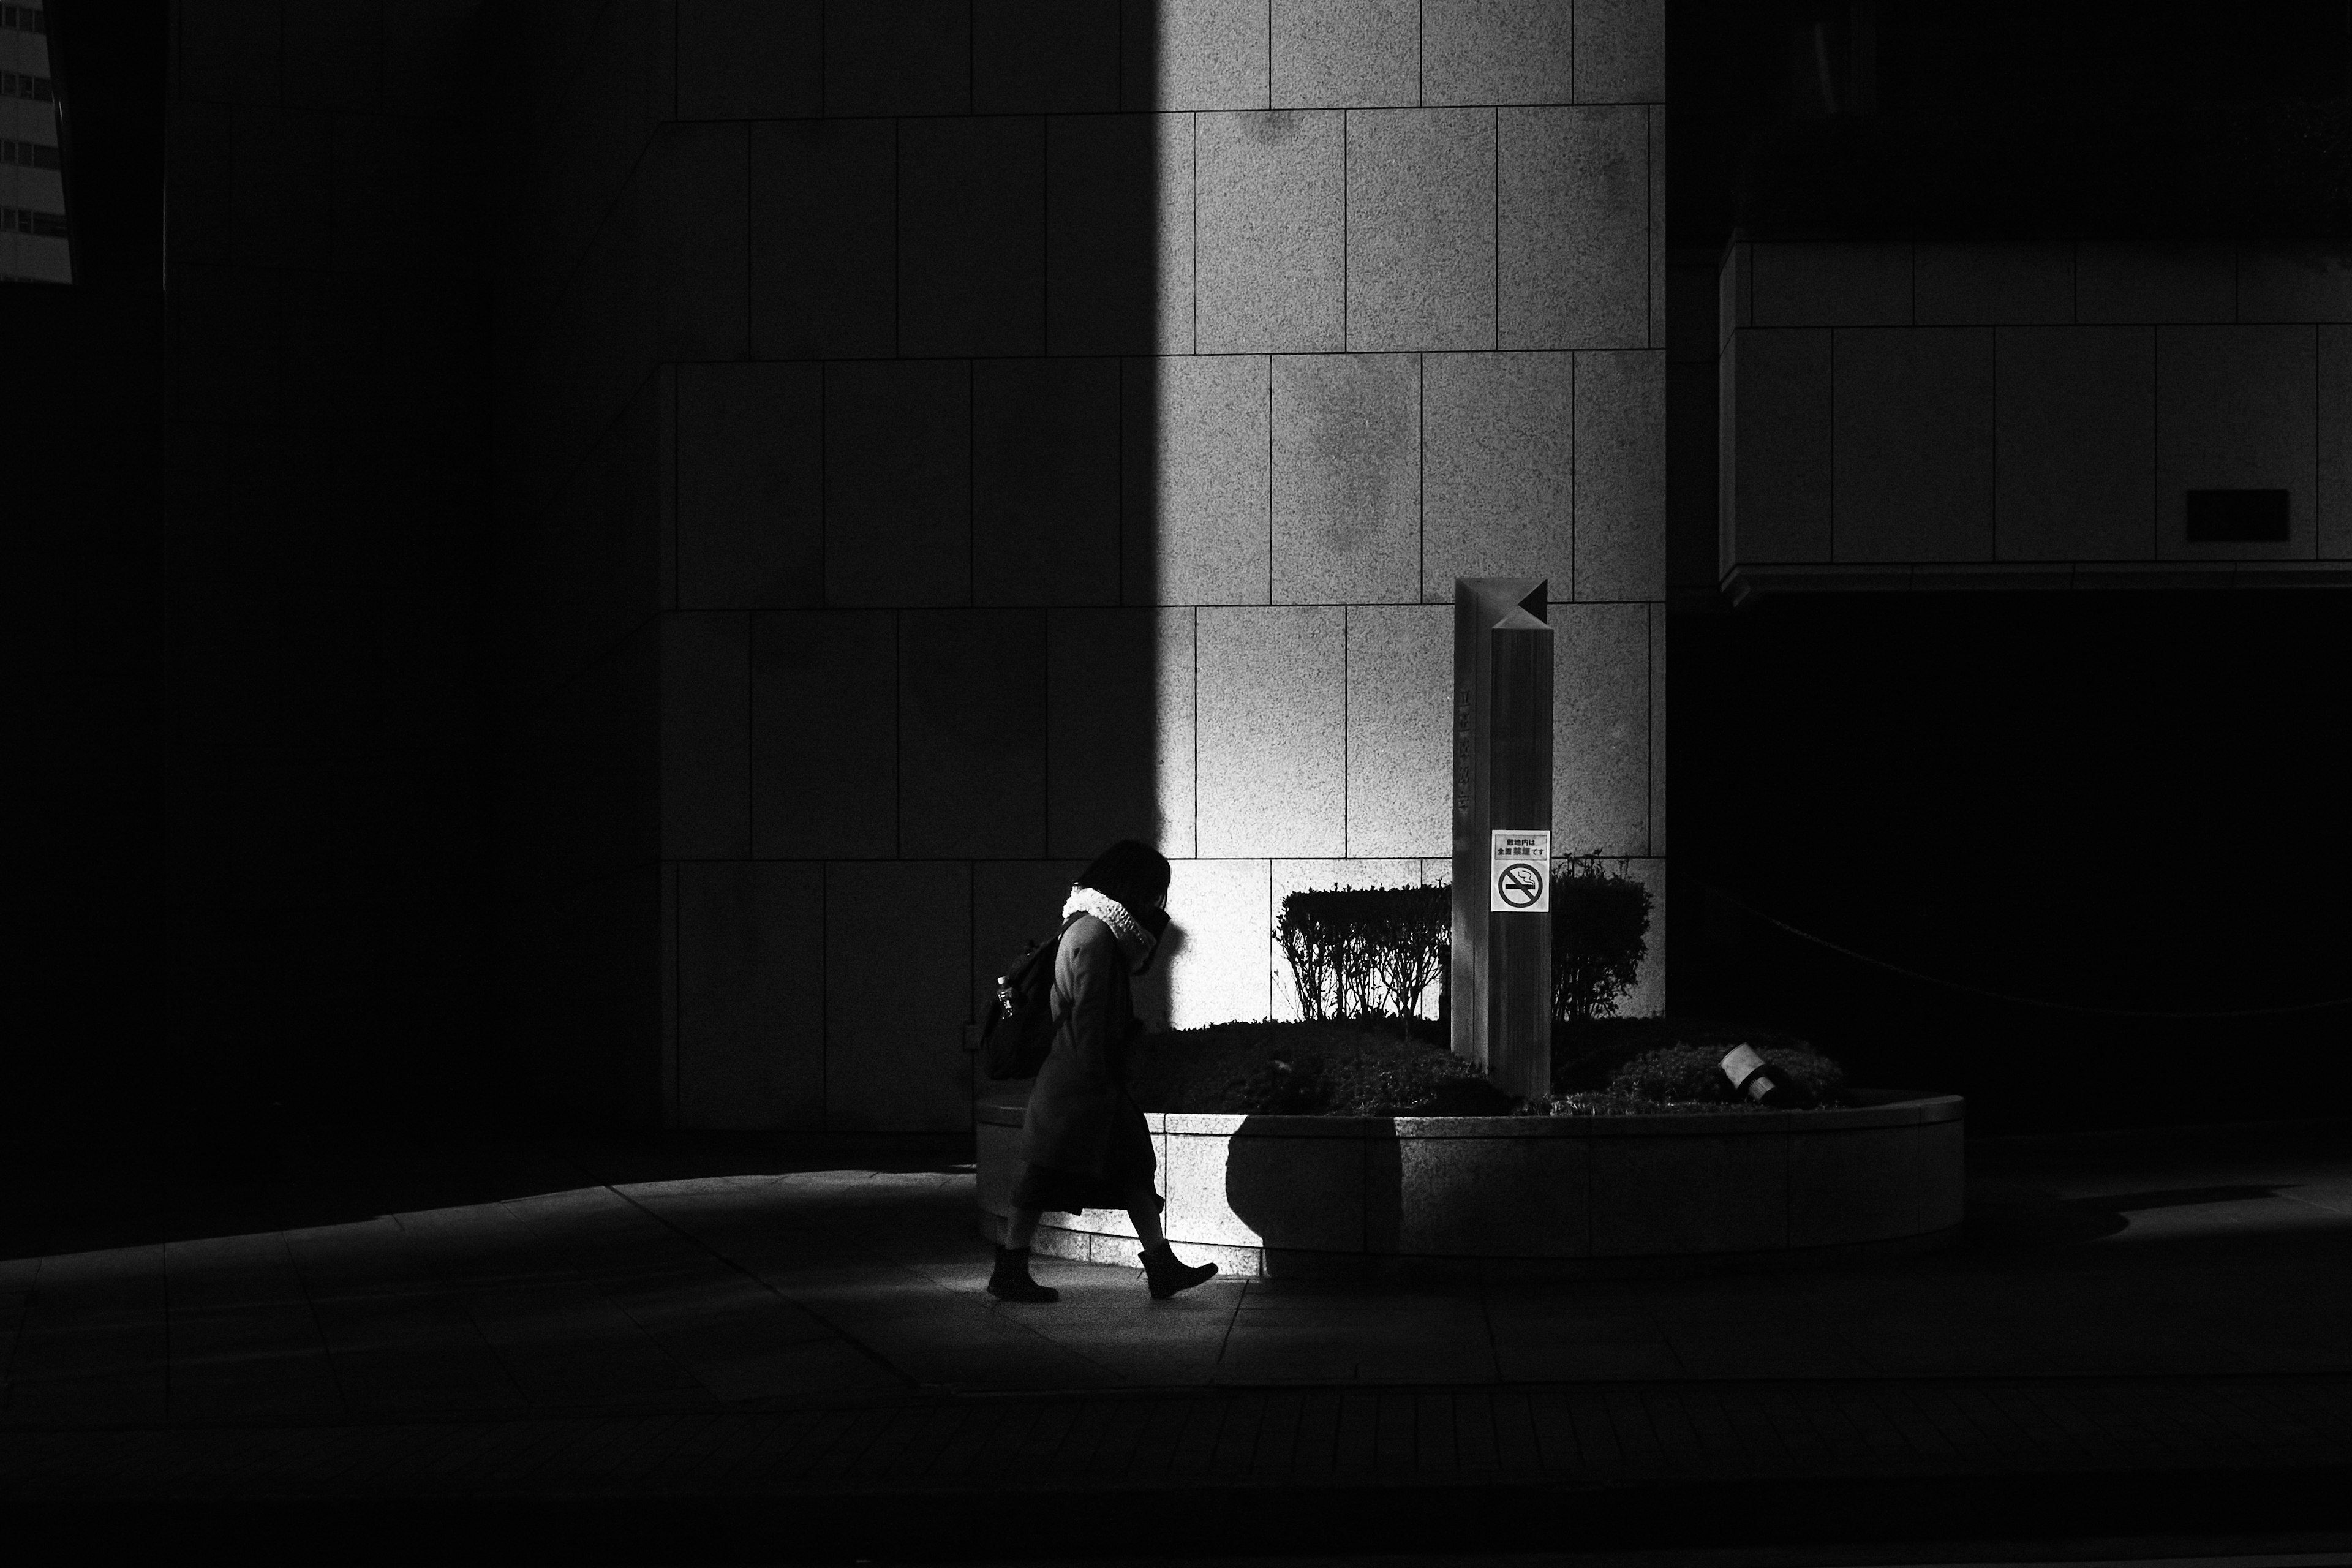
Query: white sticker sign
{"points": [[1518, 876]]}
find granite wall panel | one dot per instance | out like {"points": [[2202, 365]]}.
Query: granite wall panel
{"points": [[1621, 476], [1345, 53], [1044, 477], [1272, 732], [1347, 479], [2074, 443], [1620, 51], [1421, 229], [971, 734], [1120, 730], [1573, 229], [1119, 234], [1993, 284], [1776, 411], [898, 56], [1601, 729], [701, 233], [2234, 410], [705, 742], [750, 989], [897, 475], [894, 1009], [1399, 732], [1195, 479], [751, 524], [1658, 629], [749, 59], [824, 238], [825, 734], [1498, 51], [1195, 54], [2334, 467], [1045, 57], [1801, 285], [1212, 963], [2135, 284], [1914, 445], [971, 236], [1499, 469], [1271, 232], [2295, 282]]}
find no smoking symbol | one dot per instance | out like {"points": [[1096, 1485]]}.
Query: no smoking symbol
{"points": [[1520, 886]]}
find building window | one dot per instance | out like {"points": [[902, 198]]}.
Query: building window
{"points": [[25, 220], [29, 154], [20, 84], [24, 18]]}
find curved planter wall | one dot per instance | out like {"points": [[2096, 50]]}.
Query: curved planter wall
{"points": [[1296, 1195]]}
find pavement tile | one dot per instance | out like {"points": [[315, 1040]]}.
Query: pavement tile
{"points": [[1274, 1454], [255, 1361], [1154, 1451], [1516, 1448], [1123, 1430], [1587, 1438], [719, 1310], [1236, 1445], [1196, 1444], [1434, 1443], [1676, 1435], [1628, 1415], [1313, 1448], [1474, 1443], [1749, 1410]]}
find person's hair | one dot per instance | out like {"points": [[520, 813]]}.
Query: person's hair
{"points": [[1135, 874]]}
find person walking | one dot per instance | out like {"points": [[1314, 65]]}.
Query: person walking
{"points": [[1084, 1144]]}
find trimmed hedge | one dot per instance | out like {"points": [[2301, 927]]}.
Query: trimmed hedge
{"points": [[1356, 953], [1684, 1073], [1312, 1070], [1359, 953], [1403, 1069], [1600, 934]]}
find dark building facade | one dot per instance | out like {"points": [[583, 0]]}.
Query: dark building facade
{"points": [[658, 534]]}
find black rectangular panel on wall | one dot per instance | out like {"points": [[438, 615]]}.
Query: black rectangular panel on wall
{"points": [[2237, 517]]}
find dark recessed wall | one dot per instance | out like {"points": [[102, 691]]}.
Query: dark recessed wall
{"points": [[323, 840], [2121, 801]]}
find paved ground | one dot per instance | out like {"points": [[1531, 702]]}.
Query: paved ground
{"points": [[678, 1353]]}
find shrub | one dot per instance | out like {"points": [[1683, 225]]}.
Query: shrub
{"points": [[1309, 1070], [1600, 933], [1694, 1073], [1355, 952], [1608, 1103]]}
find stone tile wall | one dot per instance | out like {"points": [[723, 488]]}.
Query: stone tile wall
{"points": [[958, 436], [2029, 414]]}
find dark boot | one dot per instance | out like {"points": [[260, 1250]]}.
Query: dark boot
{"points": [[1011, 1283], [1167, 1275]]}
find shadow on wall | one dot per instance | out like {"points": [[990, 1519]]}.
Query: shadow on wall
{"points": [[1351, 1186]]}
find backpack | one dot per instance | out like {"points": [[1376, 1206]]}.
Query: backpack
{"points": [[1018, 1033]]}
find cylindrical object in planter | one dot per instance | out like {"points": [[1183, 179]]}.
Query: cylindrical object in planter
{"points": [[1758, 1079]]}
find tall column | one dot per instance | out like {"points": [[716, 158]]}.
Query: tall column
{"points": [[1501, 976]]}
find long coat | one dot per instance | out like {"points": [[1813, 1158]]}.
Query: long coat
{"points": [[1081, 1091]]}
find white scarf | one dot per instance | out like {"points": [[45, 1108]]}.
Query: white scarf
{"points": [[1133, 940]]}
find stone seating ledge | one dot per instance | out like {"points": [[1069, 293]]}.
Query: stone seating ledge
{"points": [[1318, 1196]]}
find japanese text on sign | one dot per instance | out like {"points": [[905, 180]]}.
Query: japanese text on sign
{"points": [[1518, 876]]}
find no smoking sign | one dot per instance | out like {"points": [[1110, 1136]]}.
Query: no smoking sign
{"points": [[1519, 875]]}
